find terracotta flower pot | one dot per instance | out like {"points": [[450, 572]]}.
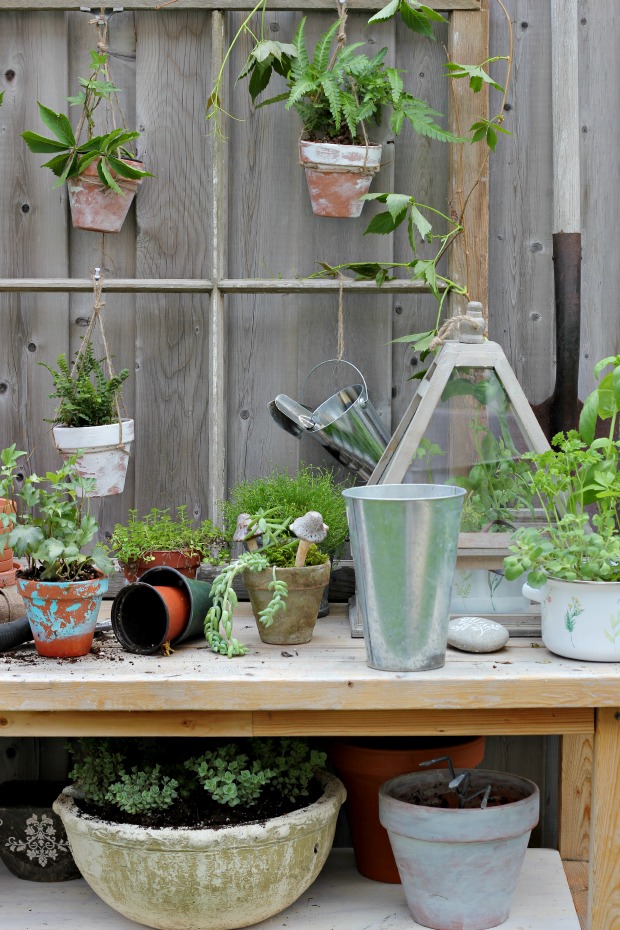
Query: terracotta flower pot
{"points": [[96, 207], [338, 175], [295, 624], [6, 554], [185, 563], [364, 764], [105, 453], [459, 866], [63, 614]]}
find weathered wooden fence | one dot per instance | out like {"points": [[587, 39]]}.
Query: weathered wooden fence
{"points": [[208, 344]]}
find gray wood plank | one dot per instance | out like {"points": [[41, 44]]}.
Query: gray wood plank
{"points": [[172, 349]]}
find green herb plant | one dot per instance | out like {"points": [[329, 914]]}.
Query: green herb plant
{"points": [[86, 395], [158, 530], [577, 485], [71, 156], [51, 525], [278, 548], [133, 777]]}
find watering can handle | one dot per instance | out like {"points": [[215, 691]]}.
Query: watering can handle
{"points": [[363, 398]]}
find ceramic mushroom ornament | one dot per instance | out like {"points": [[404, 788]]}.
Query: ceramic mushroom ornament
{"points": [[247, 532], [310, 529]]}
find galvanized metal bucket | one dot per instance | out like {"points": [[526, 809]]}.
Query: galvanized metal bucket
{"points": [[346, 424], [404, 540]]}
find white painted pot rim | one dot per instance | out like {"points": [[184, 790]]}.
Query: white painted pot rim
{"points": [[178, 838], [335, 153], [71, 438]]}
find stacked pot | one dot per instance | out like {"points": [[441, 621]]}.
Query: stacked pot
{"points": [[11, 604]]}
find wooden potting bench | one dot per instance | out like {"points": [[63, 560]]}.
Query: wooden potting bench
{"points": [[326, 688]]}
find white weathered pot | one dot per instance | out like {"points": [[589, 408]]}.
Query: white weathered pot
{"points": [[338, 175], [458, 867], [580, 619], [105, 453], [180, 879]]}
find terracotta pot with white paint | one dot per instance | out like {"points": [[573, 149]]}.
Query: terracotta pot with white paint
{"points": [[95, 206], [338, 175], [104, 453], [215, 879]]}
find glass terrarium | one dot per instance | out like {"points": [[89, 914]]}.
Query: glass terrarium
{"points": [[469, 424]]}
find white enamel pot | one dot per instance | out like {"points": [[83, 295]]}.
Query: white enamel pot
{"points": [[104, 453], [580, 619]]}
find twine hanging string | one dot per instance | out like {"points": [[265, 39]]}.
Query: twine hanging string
{"points": [[340, 350], [96, 319], [101, 22], [478, 326]]}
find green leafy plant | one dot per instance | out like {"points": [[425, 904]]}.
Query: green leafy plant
{"points": [[86, 395], [288, 496], [51, 525], [577, 485], [133, 778], [158, 530], [336, 94], [71, 156]]}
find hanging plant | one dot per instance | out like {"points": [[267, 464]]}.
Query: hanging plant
{"points": [[89, 422], [102, 172], [336, 92]]}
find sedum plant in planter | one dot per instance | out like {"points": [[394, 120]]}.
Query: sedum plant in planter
{"points": [[62, 585], [102, 172], [158, 538], [87, 422], [213, 834]]}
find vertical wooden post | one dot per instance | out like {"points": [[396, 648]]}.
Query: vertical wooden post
{"points": [[468, 261], [219, 260], [604, 877]]}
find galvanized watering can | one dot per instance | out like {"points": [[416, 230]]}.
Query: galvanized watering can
{"points": [[346, 424]]}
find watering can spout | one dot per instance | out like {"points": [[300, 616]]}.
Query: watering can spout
{"points": [[300, 416]]}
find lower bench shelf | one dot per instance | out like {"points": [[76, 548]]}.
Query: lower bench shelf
{"points": [[339, 898]]}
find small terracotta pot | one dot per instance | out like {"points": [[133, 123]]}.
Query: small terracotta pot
{"points": [[6, 554], [185, 563], [8, 579], [338, 175], [104, 453], [295, 624], [63, 614], [364, 764], [96, 207]]}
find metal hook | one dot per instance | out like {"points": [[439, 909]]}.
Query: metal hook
{"points": [[97, 274]]}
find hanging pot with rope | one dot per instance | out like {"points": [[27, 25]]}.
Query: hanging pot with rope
{"points": [[338, 176], [89, 419]]}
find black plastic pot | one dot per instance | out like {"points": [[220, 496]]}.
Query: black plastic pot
{"points": [[140, 617]]}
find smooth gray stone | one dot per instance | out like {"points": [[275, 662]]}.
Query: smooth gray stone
{"points": [[476, 634]]}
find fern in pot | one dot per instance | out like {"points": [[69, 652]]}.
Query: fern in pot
{"points": [[337, 92], [88, 424], [179, 834]]}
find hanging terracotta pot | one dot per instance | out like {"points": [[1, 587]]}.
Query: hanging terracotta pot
{"points": [[459, 865], [338, 175], [63, 614], [295, 624], [364, 764], [96, 207], [104, 453], [184, 562]]}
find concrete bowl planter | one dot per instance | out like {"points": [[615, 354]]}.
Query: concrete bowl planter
{"points": [[204, 879], [458, 866]]}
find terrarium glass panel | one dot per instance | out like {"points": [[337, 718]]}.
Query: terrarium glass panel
{"points": [[474, 440]]}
